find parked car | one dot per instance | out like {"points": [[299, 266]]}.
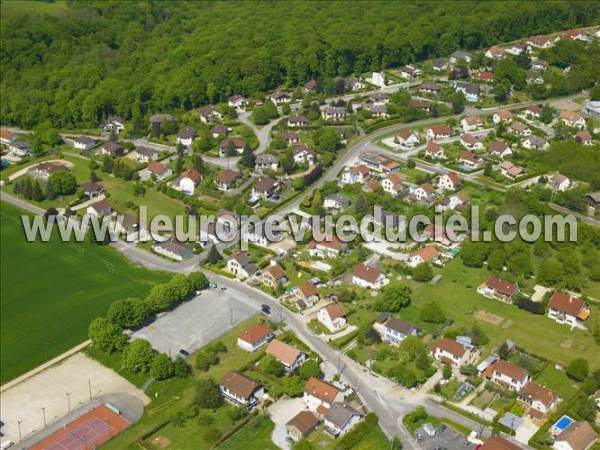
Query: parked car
{"points": [[442, 428], [184, 352]]}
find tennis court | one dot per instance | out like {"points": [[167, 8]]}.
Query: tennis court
{"points": [[87, 432]]}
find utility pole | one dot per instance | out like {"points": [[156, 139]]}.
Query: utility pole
{"points": [[69, 401], [19, 422], [44, 415], [90, 388]]}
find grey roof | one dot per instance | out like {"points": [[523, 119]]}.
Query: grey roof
{"points": [[511, 421], [176, 247], [265, 158], [187, 133], [335, 111], [339, 198], [340, 413], [146, 151], [469, 88], [159, 118], [400, 326], [461, 55], [243, 260], [537, 141], [20, 144], [440, 63], [112, 147], [83, 139]]}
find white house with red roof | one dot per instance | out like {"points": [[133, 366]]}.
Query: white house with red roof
{"points": [[406, 137], [319, 396], [424, 192], [470, 159], [100, 208], [498, 288], [572, 119], [539, 397], [471, 123], [356, 174], [393, 183], [255, 337], [434, 150], [503, 115], [368, 277], [450, 352], [566, 309], [507, 374], [187, 181], [438, 132], [425, 254], [332, 316], [290, 357], [327, 247], [449, 181]]}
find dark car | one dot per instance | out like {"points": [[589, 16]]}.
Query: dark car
{"points": [[442, 428], [184, 352], [266, 309], [275, 198]]}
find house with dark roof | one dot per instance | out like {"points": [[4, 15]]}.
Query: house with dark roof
{"points": [[338, 202], [298, 121], [219, 130], [225, 180], [471, 91], [237, 101], [241, 265], [498, 288], [112, 148], [100, 208], [264, 187], [535, 142], [319, 396], [265, 161], [20, 148], [210, 114], [302, 424], [81, 142], [341, 418], [394, 330], [280, 97], [91, 189], [255, 337], [45, 169], [114, 123], [186, 136], [174, 249], [146, 154], [241, 390], [566, 309]]}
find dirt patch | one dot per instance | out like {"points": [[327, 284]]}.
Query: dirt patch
{"points": [[568, 105], [566, 343], [161, 441], [507, 324], [488, 317]]}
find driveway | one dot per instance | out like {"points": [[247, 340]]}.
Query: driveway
{"points": [[282, 411], [450, 439], [197, 322]]}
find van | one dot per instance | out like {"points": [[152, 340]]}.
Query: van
{"points": [[6, 444]]}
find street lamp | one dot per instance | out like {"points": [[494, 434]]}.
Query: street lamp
{"points": [[90, 388], [44, 414], [69, 401], [19, 422]]}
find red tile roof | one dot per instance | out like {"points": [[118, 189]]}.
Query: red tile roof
{"points": [[566, 304], [508, 369], [369, 274], [502, 286], [449, 346], [334, 310], [321, 390], [255, 333], [283, 352], [427, 253]]}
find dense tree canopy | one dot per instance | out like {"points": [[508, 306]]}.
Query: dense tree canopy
{"points": [[98, 58]]}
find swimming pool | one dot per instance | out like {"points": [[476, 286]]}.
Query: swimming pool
{"points": [[563, 423], [464, 168]]}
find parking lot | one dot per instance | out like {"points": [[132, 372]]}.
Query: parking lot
{"points": [[197, 322], [450, 439]]}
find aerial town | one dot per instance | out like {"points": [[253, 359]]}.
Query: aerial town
{"points": [[278, 342]]}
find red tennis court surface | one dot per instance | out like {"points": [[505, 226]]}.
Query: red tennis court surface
{"points": [[87, 432]]}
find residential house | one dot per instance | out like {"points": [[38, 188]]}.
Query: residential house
{"points": [[112, 148], [575, 35], [225, 180], [471, 123], [445, 237], [498, 288], [470, 159], [506, 374], [394, 331], [291, 137], [319, 396], [450, 352], [45, 169], [460, 55], [566, 309], [227, 145], [518, 48], [409, 72], [100, 208], [511, 170], [157, 121], [279, 97], [486, 77], [406, 137], [302, 425], [471, 142], [379, 99], [273, 276], [540, 65], [302, 153], [332, 316], [559, 182], [393, 183], [577, 436], [290, 357], [368, 277], [533, 111], [241, 390], [500, 149], [334, 113], [584, 137], [20, 148], [6, 137], [237, 101], [327, 247], [424, 255], [498, 443], [503, 115], [254, 337], [187, 181], [146, 154], [114, 123], [534, 77], [336, 201], [264, 187], [592, 199], [155, 170], [340, 419], [378, 111], [307, 295], [434, 150], [472, 91], [438, 132], [535, 142], [419, 103], [591, 108], [356, 174], [219, 130], [386, 219], [352, 84], [454, 202], [173, 249], [186, 136], [82, 142], [429, 87], [210, 114], [91, 189], [241, 266], [424, 192], [264, 161], [257, 235], [540, 398], [298, 121], [572, 119], [310, 86], [540, 42], [439, 65], [495, 52], [520, 129], [379, 163]]}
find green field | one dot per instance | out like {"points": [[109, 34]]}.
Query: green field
{"points": [[256, 435], [51, 291]]}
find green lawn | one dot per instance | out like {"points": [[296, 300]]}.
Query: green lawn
{"points": [[256, 435], [558, 381], [51, 291], [536, 334]]}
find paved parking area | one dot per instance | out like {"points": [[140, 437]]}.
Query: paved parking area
{"points": [[282, 411], [197, 322], [450, 439]]}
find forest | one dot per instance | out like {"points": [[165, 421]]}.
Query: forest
{"points": [[94, 59]]}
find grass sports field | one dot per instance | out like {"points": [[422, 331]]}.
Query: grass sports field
{"points": [[51, 291]]}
